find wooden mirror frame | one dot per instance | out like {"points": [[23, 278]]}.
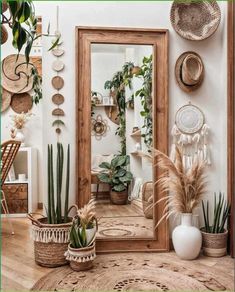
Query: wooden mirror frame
{"points": [[158, 38]]}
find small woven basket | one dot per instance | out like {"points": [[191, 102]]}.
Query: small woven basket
{"points": [[81, 259], [50, 241], [214, 244]]}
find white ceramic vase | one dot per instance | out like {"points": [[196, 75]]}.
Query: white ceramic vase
{"points": [[187, 239], [20, 136]]}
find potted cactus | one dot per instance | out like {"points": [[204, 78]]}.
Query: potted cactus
{"points": [[51, 233], [81, 248], [118, 177], [215, 236]]}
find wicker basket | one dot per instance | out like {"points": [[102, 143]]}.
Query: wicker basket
{"points": [[119, 198], [81, 259], [147, 199], [214, 244], [50, 241]]}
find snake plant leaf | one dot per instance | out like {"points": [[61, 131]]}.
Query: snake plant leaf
{"points": [[58, 123]]}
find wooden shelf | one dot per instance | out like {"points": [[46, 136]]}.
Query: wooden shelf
{"points": [[17, 182], [103, 105], [136, 134]]}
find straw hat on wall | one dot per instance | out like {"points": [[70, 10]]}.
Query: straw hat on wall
{"points": [[189, 71]]}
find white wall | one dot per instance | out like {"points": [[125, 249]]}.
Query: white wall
{"points": [[211, 97]]}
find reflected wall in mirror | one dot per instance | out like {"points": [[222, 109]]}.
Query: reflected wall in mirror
{"points": [[122, 110], [121, 180]]}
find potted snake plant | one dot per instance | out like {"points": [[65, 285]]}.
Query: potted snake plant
{"points": [[118, 177], [51, 233], [81, 248], [215, 236]]}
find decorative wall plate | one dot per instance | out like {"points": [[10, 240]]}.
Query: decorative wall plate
{"points": [[99, 127], [189, 119], [57, 82], [195, 20], [21, 103], [57, 65], [58, 98], [57, 52], [6, 100], [10, 80], [58, 112]]}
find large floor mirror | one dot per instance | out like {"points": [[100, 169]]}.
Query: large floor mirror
{"points": [[122, 112]]}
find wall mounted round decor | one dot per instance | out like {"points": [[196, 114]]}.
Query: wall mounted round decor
{"points": [[58, 65], [57, 52], [195, 20], [189, 119], [58, 112], [4, 34], [57, 82], [14, 74], [189, 71], [6, 100], [21, 103], [58, 99]]}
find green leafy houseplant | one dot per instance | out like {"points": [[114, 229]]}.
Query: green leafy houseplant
{"points": [[54, 211], [221, 213], [145, 93], [116, 174]]}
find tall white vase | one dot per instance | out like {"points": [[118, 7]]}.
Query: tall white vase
{"points": [[20, 136], [187, 239]]}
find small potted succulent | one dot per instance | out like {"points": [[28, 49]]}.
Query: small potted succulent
{"points": [[118, 177], [81, 249], [214, 236]]}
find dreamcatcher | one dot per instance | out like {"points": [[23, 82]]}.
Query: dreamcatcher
{"points": [[99, 127], [191, 133]]}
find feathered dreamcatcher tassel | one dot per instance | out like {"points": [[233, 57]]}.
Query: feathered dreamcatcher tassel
{"points": [[191, 133]]}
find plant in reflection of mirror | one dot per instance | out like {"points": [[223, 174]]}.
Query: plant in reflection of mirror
{"points": [[145, 93], [118, 177]]}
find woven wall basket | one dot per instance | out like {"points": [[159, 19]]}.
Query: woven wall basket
{"points": [[6, 100], [195, 20], [214, 244], [50, 242]]}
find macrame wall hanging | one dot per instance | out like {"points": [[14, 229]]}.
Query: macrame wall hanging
{"points": [[190, 132]]}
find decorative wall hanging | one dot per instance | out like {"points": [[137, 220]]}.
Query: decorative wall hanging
{"points": [[4, 35], [191, 133], [6, 100], [99, 127], [57, 65], [58, 99], [58, 112], [195, 20], [57, 52], [21, 103], [15, 74], [57, 82], [189, 71]]}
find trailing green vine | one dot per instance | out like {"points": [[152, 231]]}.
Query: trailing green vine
{"points": [[145, 93]]}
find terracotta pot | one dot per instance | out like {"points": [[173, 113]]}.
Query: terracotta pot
{"points": [[119, 198], [214, 244], [81, 259]]}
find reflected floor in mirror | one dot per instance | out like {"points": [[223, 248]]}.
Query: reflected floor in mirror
{"points": [[122, 220]]}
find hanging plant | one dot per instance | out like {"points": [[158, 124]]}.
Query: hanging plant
{"points": [[23, 24], [145, 93]]}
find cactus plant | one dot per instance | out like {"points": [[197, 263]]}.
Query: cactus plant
{"points": [[54, 214]]}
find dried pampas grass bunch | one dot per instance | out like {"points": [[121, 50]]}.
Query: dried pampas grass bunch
{"points": [[184, 188], [87, 214]]}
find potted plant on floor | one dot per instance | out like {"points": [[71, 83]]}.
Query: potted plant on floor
{"points": [[215, 236], [81, 249], [184, 189], [118, 177], [51, 233]]}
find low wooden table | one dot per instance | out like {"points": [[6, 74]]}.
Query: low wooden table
{"points": [[95, 180]]}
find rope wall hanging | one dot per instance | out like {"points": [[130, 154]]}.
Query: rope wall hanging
{"points": [[57, 81], [191, 132]]}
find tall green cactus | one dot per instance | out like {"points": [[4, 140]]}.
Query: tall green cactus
{"points": [[55, 215]]}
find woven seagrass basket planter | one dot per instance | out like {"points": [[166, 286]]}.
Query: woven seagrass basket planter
{"points": [[214, 244], [119, 198], [81, 259], [50, 242]]}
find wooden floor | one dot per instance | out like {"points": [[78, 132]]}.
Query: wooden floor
{"points": [[19, 272]]}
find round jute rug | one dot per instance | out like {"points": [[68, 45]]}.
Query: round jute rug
{"points": [[141, 272]]}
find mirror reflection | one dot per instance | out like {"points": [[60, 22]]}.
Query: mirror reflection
{"points": [[122, 128]]}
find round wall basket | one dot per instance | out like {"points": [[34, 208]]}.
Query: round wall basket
{"points": [[58, 99], [6, 100], [195, 20], [57, 52], [21, 103], [189, 119], [14, 74], [57, 82], [58, 65]]}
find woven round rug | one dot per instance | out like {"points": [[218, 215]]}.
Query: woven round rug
{"points": [[140, 272]]}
